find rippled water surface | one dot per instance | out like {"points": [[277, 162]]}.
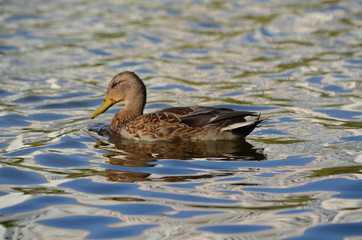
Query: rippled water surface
{"points": [[297, 176]]}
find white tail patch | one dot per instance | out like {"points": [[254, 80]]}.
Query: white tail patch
{"points": [[237, 125]]}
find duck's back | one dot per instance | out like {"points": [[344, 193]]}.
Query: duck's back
{"points": [[182, 123]]}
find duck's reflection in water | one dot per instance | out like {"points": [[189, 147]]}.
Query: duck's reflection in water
{"points": [[138, 154]]}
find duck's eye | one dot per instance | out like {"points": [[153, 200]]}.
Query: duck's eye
{"points": [[114, 84]]}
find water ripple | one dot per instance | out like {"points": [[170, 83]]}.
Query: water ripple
{"points": [[66, 176]]}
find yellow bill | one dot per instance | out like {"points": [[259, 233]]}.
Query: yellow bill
{"points": [[107, 103]]}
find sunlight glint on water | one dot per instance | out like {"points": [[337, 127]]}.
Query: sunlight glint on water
{"points": [[298, 176]]}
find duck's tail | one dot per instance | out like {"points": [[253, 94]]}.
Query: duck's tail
{"points": [[243, 129]]}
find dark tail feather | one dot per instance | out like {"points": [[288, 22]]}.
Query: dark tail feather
{"points": [[246, 130]]}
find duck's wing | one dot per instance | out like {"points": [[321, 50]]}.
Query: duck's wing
{"points": [[202, 116], [183, 111], [186, 122]]}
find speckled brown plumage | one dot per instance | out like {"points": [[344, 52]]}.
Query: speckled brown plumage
{"points": [[175, 123]]}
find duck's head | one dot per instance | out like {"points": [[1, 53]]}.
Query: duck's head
{"points": [[125, 86]]}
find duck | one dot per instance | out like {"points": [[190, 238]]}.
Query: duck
{"points": [[172, 123]]}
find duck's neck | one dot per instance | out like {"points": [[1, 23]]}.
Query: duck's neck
{"points": [[133, 108]]}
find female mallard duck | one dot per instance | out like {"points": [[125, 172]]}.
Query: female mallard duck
{"points": [[175, 123]]}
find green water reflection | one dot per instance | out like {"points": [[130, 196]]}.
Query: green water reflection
{"points": [[296, 62]]}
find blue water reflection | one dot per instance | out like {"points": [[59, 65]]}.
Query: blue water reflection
{"points": [[333, 231], [132, 190], [232, 229], [14, 176], [344, 187], [38, 203], [65, 176]]}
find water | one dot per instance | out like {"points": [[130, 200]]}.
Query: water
{"points": [[298, 176]]}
